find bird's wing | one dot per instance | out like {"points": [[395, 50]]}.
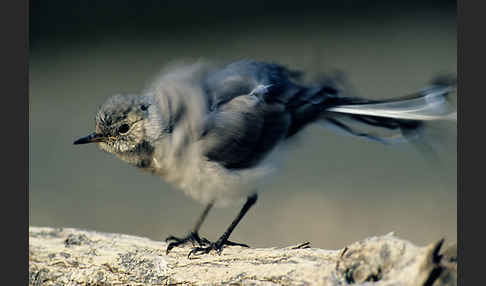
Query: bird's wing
{"points": [[247, 114], [271, 82]]}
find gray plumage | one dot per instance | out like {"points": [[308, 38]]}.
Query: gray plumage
{"points": [[210, 131]]}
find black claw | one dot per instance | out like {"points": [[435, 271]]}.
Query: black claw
{"points": [[192, 237], [169, 247], [204, 250], [217, 246]]}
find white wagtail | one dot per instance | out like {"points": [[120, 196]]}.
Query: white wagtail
{"points": [[209, 130]]}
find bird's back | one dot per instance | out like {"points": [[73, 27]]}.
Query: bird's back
{"points": [[256, 105]]}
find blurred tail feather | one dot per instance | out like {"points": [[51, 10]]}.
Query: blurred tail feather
{"points": [[429, 104], [406, 116]]}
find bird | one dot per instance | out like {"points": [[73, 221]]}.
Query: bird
{"points": [[214, 131]]}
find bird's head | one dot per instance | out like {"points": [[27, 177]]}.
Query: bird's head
{"points": [[125, 124]]}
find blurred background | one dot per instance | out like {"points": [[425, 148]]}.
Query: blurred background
{"points": [[332, 189]]}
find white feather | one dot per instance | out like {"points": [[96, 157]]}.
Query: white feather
{"points": [[431, 106]]}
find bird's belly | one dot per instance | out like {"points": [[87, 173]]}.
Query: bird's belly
{"points": [[206, 181]]}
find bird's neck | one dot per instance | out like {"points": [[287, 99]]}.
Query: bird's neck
{"points": [[140, 157]]}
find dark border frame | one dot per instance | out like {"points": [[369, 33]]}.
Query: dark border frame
{"points": [[15, 82], [470, 56]]}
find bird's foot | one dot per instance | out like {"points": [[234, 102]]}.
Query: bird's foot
{"points": [[192, 237], [217, 246]]}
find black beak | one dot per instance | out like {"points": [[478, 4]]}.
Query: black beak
{"points": [[91, 138]]}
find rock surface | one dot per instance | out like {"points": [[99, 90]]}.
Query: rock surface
{"points": [[77, 257]]}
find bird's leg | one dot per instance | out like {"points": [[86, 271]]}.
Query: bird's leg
{"points": [[193, 235], [223, 240]]}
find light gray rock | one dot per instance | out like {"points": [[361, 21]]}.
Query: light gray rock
{"points": [[77, 257]]}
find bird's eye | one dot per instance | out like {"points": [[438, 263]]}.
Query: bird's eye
{"points": [[143, 107], [123, 129]]}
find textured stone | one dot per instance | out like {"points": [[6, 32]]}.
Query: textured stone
{"points": [[78, 257]]}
